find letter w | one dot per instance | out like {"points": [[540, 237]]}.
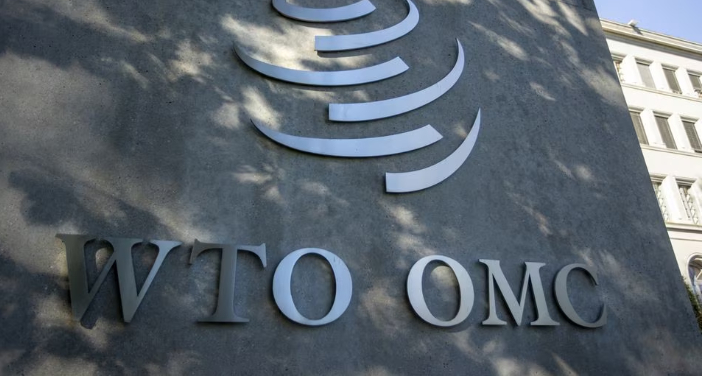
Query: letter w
{"points": [[81, 296]]}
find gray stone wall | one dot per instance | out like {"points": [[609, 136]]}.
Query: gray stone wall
{"points": [[132, 119]]}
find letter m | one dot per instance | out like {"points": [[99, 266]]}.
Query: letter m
{"points": [[81, 295], [496, 277]]}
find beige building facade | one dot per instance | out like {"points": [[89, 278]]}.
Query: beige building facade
{"points": [[661, 80]]}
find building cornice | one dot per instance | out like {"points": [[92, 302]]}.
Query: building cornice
{"points": [[684, 227], [659, 92], [671, 151], [650, 36]]}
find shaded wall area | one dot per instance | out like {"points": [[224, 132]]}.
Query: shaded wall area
{"points": [[133, 119]]}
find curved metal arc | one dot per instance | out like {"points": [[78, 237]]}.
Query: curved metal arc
{"points": [[349, 112], [356, 147], [374, 38], [344, 13], [427, 177], [359, 76]]}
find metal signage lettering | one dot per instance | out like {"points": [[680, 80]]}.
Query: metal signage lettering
{"points": [[344, 13], [358, 76], [81, 296], [356, 112], [350, 112], [532, 278], [130, 298], [417, 298], [560, 290], [359, 147], [374, 38], [284, 299], [228, 266], [399, 182]]}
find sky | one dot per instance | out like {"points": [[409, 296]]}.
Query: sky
{"points": [[679, 18]]}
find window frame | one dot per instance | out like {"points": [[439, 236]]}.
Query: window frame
{"points": [[697, 138], [692, 74], [692, 211], [645, 63], [618, 60], [643, 135], [692, 280], [665, 117], [672, 70], [657, 182]]}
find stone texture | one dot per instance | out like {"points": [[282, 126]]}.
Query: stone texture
{"points": [[132, 119]]}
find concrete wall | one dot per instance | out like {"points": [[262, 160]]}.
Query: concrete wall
{"points": [[132, 119]]}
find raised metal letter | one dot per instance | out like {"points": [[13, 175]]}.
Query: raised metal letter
{"points": [[284, 299], [391, 107], [348, 12], [495, 276], [130, 298], [417, 298], [356, 147], [412, 181], [355, 41], [330, 78], [560, 289], [228, 267]]}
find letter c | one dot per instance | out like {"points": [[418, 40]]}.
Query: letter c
{"points": [[562, 294]]}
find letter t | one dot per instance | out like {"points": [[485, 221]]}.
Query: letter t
{"points": [[228, 266]]}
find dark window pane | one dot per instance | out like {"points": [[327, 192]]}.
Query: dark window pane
{"points": [[696, 82], [660, 198], [646, 74], [671, 79], [618, 67], [639, 128], [692, 135], [665, 131], [689, 204]]}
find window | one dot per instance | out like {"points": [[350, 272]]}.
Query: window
{"points": [[692, 135], [660, 198], [646, 74], [618, 67], [694, 274], [696, 83], [639, 128], [689, 204], [665, 131], [670, 75]]}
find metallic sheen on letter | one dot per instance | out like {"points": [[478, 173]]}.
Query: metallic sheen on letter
{"points": [[284, 299], [348, 12], [228, 267], [356, 147], [121, 256], [417, 298], [496, 277], [560, 289], [332, 78], [356, 41], [348, 112], [417, 180]]}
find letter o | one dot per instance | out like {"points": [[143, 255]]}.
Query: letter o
{"points": [[417, 298], [284, 299]]}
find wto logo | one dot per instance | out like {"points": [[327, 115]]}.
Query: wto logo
{"points": [[357, 112]]}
